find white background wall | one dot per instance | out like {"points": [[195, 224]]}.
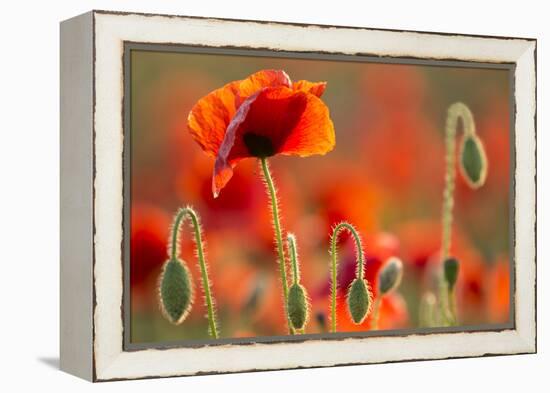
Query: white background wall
{"points": [[29, 196]]}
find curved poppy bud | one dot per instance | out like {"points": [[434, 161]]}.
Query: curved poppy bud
{"points": [[359, 300], [473, 161], [297, 300], [298, 312], [450, 270], [390, 275], [472, 164], [175, 284], [176, 291]]}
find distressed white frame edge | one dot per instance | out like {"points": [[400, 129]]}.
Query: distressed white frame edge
{"points": [[76, 193], [111, 30]]}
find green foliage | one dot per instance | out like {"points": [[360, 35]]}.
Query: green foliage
{"points": [[297, 306], [359, 300], [176, 292]]}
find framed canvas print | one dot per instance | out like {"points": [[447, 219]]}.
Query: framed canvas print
{"points": [[245, 195]]}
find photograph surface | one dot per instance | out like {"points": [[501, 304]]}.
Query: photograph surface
{"points": [[278, 195]]}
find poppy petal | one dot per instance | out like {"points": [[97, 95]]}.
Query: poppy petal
{"points": [[270, 114], [313, 133], [211, 115], [260, 80], [315, 88], [274, 120], [290, 122], [223, 169]]}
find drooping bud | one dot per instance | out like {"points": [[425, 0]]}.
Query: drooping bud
{"points": [[298, 312], [450, 270], [175, 291], [175, 286], [390, 275], [359, 300], [473, 161], [255, 294]]}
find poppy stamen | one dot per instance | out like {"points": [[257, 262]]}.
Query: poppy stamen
{"points": [[258, 145], [260, 116]]}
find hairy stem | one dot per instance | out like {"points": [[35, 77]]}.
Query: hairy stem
{"points": [[291, 242], [376, 313], [278, 233], [195, 224], [444, 311], [451, 298], [333, 251], [456, 111]]}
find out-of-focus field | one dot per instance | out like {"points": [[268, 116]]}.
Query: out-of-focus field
{"points": [[385, 176]]}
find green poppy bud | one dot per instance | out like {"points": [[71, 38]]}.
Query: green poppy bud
{"points": [[297, 306], [176, 291], [359, 300], [390, 275], [473, 161], [450, 269]]}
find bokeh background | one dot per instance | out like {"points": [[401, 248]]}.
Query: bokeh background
{"points": [[385, 176]]}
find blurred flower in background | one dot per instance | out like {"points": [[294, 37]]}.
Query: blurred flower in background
{"points": [[385, 175]]}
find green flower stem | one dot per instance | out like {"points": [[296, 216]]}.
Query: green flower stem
{"points": [[452, 306], [376, 312], [188, 211], [333, 252], [456, 111], [291, 241], [426, 313], [278, 233], [444, 312]]}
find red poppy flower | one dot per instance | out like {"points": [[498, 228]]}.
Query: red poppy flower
{"points": [[260, 116]]}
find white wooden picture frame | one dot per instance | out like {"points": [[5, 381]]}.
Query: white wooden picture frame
{"points": [[92, 195]]}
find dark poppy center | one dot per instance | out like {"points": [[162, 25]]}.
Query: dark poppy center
{"points": [[258, 145]]}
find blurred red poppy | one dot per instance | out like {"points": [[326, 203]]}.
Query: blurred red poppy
{"points": [[149, 232], [498, 295], [260, 116], [393, 314]]}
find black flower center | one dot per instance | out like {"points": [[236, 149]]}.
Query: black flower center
{"points": [[258, 145]]}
